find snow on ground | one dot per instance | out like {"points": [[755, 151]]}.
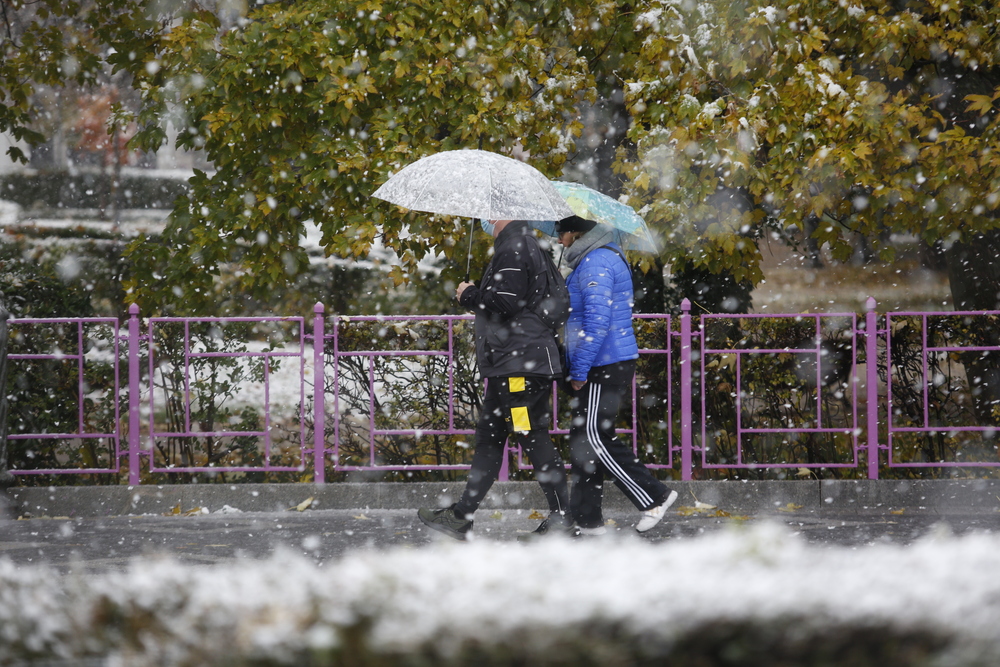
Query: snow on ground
{"points": [[525, 600], [9, 212]]}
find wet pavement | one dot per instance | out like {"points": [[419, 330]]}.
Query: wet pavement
{"points": [[108, 544]]}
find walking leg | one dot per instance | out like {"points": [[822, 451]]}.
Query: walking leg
{"points": [[586, 473], [604, 400], [549, 469], [491, 434]]}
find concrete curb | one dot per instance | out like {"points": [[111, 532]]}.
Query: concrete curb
{"points": [[940, 497]]}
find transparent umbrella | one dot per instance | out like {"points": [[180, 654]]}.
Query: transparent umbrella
{"points": [[631, 230], [475, 184]]}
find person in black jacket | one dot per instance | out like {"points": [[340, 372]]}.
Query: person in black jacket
{"points": [[519, 358]]}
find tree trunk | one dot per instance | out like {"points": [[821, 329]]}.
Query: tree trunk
{"points": [[974, 276]]}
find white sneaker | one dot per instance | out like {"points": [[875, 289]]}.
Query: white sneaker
{"points": [[596, 530], [652, 516]]}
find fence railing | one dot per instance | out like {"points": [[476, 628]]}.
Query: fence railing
{"points": [[263, 395]]}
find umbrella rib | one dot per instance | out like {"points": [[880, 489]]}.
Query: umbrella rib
{"points": [[538, 187], [427, 182], [489, 175]]}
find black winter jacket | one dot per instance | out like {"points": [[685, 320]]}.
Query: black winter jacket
{"points": [[510, 339]]}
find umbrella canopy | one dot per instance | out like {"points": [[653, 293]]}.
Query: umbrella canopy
{"points": [[632, 232], [475, 184]]}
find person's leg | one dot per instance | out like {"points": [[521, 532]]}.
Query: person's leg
{"points": [[604, 392], [529, 402], [549, 469], [586, 473], [491, 435]]}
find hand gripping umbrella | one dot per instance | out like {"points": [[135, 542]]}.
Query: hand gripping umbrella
{"points": [[475, 184]]}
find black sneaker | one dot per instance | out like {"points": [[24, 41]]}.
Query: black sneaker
{"points": [[445, 521], [551, 526]]}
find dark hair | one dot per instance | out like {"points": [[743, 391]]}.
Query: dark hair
{"points": [[574, 223]]}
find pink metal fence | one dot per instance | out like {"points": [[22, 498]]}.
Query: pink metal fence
{"points": [[737, 392], [934, 413], [446, 351], [194, 351], [64, 344], [812, 366]]}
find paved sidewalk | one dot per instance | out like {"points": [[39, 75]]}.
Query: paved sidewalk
{"points": [[103, 528], [940, 497]]}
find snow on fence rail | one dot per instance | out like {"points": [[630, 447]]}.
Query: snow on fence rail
{"points": [[264, 395]]}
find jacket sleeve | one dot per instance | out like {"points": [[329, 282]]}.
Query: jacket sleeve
{"points": [[596, 282], [503, 291]]}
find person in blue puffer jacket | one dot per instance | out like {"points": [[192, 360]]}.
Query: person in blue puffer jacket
{"points": [[602, 352]]}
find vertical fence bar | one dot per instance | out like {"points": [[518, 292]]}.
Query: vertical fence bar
{"points": [[319, 395], [504, 474], [133, 396], [336, 392], [687, 422], [871, 386], [6, 478], [81, 380], [451, 374]]}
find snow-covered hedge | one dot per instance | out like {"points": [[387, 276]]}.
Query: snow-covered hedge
{"points": [[757, 596], [91, 188]]}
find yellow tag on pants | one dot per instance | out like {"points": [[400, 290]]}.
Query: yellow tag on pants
{"points": [[519, 417], [516, 384]]}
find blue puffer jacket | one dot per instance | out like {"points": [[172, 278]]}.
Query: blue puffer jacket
{"points": [[599, 330]]}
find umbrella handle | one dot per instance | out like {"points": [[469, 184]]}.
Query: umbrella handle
{"points": [[468, 255]]}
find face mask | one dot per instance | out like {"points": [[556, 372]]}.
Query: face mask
{"points": [[487, 226]]}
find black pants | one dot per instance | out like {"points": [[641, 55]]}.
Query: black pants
{"points": [[597, 452], [522, 407]]}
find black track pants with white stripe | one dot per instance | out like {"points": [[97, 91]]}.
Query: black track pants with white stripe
{"points": [[597, 453]]}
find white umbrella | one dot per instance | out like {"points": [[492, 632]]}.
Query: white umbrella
{"points": [[475, 184]]}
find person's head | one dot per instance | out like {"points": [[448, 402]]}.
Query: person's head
{"points": [[494, 227], [568, 230]]}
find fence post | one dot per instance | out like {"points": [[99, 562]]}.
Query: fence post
{"points": [[871, 386], [319, 395], [504, 474], [686, 389], [6, 478], [134, 440]]}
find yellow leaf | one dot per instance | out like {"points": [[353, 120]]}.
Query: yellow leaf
{"points": [[359, 517], [699, 508], [790, 507], [536, 515], [981, 103], [897, 511], [174, 511], [862, 151], [497, 515], [303, 506]]}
